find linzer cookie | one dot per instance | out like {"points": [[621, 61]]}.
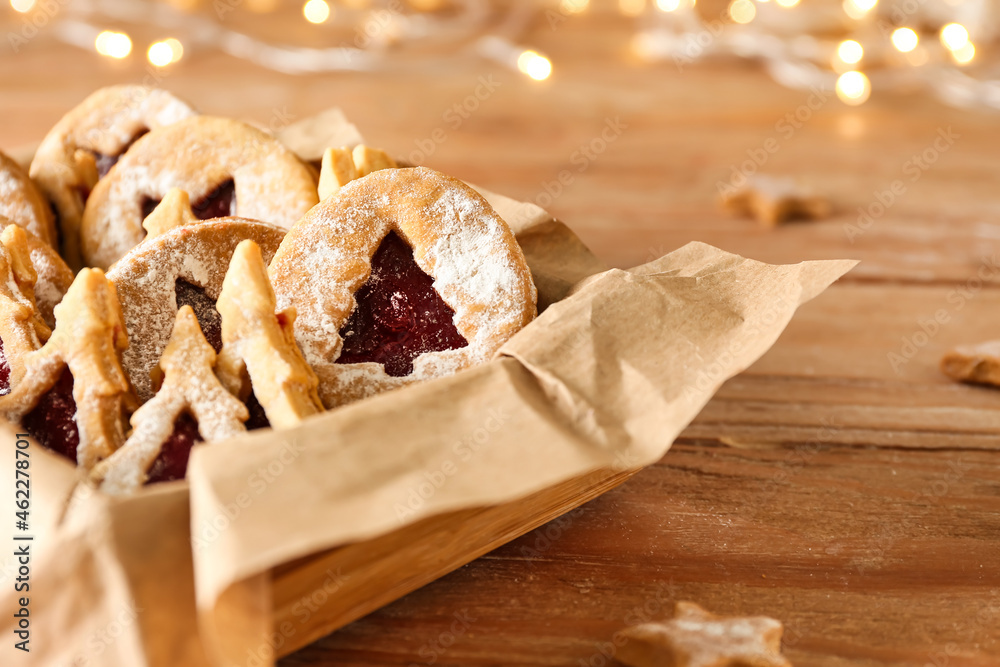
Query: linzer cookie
{"points": [[53, 277], [226, 168], [21, 202], [184, 266], [74, 396], [85, 145], [405, 275], [191, 406]]}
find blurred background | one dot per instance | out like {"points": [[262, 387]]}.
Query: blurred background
{"points": [[625, 118]]}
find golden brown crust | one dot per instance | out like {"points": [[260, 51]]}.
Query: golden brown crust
{"points": [[146, 279], [22, 328], [772, 201], [457, 239], [105, 123], [23, 203], [189, 385], [196, 155], [976, 364], [259, 344], [342, 165], [697, 638], [88, 338], [53, 276]]}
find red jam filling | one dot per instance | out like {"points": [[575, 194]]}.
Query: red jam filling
{"points": [[4, 372], [208, 316], [172, 462], [52, 422], [203, 306], [105, 162], [399, 315], [219, 203]]}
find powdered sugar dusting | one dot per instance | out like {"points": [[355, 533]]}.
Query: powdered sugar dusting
{"points": [[146, 279], [477, 267], [196, 155]]}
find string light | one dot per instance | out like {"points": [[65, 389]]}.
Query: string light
{"points": [[164, 53], [954, 36], [787, 3], [742, 11], [857, 9], [965, 53], [22, 6], [850, 52], [113, 44], [853, 87], [535, 65], [316, 11], [904, 39], [668, 5]]}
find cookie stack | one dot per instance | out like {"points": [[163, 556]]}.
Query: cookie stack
{"points": [[172, 278]]}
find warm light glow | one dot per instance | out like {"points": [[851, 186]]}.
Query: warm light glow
{"points": [[853, 87], [631, 7], [113, 44], [535, 65], [857, 9], [574, 6], [850, 51], [787, 3], [261, 6], [668, 5], [965, 53], [904, 39], [163, 53], [316, 11], [742, 11], [954, 36], [23, 6], [917, 57]]}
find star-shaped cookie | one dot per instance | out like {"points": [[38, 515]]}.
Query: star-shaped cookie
{"points": [[697, 638], [978, 364], [773, 200]]}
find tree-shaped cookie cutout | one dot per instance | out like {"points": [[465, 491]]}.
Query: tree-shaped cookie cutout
{"points": [[258, 345], [163, 432], [74, 395], [340, 166], [22, 329]]}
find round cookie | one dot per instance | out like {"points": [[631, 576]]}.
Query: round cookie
{"points": [[54, 277], [324, 268], [226, 168], [21, 202], [87, 141], [184, 266]]}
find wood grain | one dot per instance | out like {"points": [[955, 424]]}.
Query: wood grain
{"points": [[852, 496]]}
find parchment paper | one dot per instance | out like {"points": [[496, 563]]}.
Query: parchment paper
{"points": [[617, 364]]}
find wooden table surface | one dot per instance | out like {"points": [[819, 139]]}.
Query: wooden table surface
{"points": [[841, 484]]}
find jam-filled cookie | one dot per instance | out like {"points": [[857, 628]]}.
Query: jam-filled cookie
{"points": [[403, 275], [53, 277], [22, 328], [84, 146], [190, 406], [21, 202], [227, 168], [74, 396], [182, 266]]}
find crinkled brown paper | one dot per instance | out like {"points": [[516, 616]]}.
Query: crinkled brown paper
{"points": [[616, 365]]}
